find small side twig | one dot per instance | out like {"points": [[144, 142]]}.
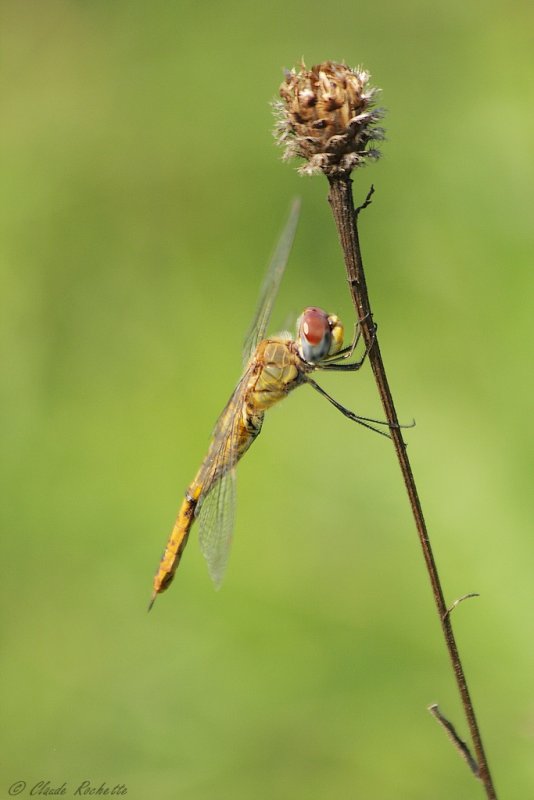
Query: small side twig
{"points": [[366, 202], [460, 745], [460, 600]]}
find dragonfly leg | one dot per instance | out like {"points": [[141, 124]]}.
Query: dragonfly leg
{"points": [[365, 421], [334, 363], [347, 351]]}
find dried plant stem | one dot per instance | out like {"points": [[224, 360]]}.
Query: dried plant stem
{"points": [[460, 745], [342, 203]]}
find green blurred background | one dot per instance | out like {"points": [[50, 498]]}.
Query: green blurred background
{"points": [[141, 197]]}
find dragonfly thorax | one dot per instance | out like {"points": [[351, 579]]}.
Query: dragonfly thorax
{"points": [[319, 335]]}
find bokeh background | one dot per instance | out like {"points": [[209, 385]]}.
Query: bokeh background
{"points": [[141, 197]]}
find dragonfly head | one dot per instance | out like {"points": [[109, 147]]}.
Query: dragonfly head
{"points": [[318, 335]]}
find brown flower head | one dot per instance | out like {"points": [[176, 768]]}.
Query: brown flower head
{"points": [[326, 116]]}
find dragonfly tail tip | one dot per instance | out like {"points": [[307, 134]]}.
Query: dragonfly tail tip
{"points": [[152, 601]]}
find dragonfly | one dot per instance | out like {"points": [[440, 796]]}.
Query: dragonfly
{"points": [[273, 367]]}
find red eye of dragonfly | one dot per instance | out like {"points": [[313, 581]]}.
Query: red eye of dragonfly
{"points": [[314, 325], [314, 334]]}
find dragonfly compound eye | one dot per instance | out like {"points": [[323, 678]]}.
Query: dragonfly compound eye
{"points": [[314, 334]]}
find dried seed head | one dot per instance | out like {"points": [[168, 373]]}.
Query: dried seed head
{"points": [[326, 116]]}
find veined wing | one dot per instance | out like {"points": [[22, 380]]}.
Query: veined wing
{"points": [[216, 522], [216, 506], [271, 283]]}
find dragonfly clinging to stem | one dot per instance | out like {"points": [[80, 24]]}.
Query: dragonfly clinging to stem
{"points": [[274, 366]]}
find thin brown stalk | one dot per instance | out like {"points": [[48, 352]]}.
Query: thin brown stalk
{"points": [[345, 215], [328, 117], [460, 745]]}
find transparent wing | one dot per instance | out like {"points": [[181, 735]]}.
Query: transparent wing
{"points": [[271, 282], [216, 521], [216, 505]]}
